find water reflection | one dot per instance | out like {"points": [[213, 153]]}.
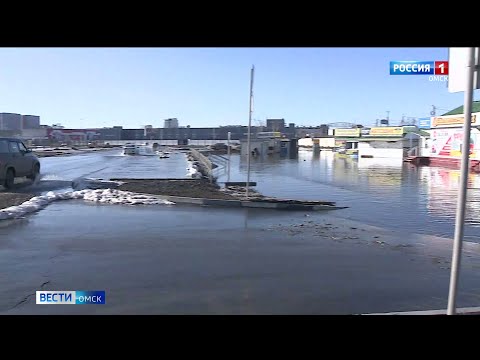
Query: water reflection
{"points": [[442, 186], [383, 192], [113, 164]]}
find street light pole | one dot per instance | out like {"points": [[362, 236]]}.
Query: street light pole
{"points": [[249, 131], [228, 154], [462, 191]]}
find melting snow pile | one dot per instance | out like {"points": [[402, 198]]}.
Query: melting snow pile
{"points": [[240, 192], [113, 196], [192, 170], [50, 177], [109, 196]]}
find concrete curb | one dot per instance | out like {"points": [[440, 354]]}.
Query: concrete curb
{"points": [[237, 203], [460, 311], [245, 204]]}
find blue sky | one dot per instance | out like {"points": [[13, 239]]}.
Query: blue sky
{"points": [[132, 87]]}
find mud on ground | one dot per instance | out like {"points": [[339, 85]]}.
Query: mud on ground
{"points": [[195, 188], [8, 199]]}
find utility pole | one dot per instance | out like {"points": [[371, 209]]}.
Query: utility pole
{"points": [[462, 191], [434, 110], [249, 155], [228, 154]]}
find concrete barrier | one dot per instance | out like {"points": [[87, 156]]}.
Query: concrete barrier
{"points": [[246, 204], [182, 200], [150, 179], [240, 183], [264, 205], [280, 204], [206, 167], [219, 202], [460, 311]]}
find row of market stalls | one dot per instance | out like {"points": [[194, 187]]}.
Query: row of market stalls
{"points": [[446, 138], [395, 142], [436, 141]]}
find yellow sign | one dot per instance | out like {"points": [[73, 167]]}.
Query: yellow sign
{"points": [[386, 131], [347, 132], [451, 120]]}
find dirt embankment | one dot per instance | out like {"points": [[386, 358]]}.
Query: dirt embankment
{"points": [[195, 188], [8, 199]]}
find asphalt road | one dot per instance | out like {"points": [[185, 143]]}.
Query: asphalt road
{"points": [[174, 259]]}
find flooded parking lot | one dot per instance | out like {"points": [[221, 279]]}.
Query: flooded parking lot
{"points": [[188, 259], [381, 192]]}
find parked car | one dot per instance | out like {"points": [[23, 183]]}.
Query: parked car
{"points": [[219, 146], [16, 160]]}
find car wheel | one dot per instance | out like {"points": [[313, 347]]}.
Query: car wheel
{"points": [[9, 178], [35, 172]]}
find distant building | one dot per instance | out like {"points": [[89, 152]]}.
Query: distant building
{"points": [[34, 134], [170, 123], [30, 122], [290, 131], [147, 131], [10, 121], [73, 135], [133, 134], [113, 133], [266, 146], [276, 125], [312, 132], [218, 134]]}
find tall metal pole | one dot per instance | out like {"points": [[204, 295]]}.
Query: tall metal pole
{"points": [[462, 191], [249, 131], [228, 154]]}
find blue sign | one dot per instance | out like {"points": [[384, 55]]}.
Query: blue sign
{"points": [[424, 123]]}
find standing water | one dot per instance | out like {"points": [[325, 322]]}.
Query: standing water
{"points": [[381, 192]]}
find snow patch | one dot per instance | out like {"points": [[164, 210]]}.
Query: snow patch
{"points": [[49, 177], [106, 196], [192, 170]]}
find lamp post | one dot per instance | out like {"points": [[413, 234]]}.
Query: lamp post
{"points": [[228, 154], [249, 131], [464, 172]]}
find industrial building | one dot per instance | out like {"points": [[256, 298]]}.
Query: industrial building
{"points": [[30, 122], [28, 127], [276, 125], [21, 126], [10, 121], [268, 144], [171, 123], [312, 132]]}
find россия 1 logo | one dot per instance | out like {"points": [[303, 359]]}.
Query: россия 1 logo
{"points": [[438, 70]]}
